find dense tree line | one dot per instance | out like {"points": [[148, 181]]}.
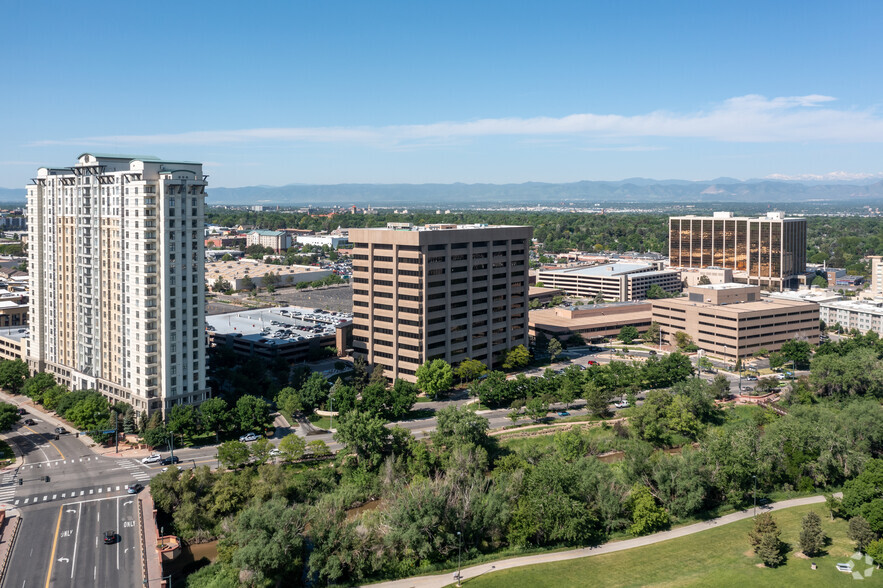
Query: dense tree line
{"points": [[837, 241]]}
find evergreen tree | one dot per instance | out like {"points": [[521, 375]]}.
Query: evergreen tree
{"points": [[812, 537]]}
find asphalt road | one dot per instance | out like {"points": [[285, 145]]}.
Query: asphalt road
{"points": [[68, 496]]}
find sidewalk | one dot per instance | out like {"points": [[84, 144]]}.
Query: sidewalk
{"points": [[447, 579], [125, 451], [8, 535], [151, 567]]}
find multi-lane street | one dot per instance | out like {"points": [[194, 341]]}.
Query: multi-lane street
{"points": [[68, 498]]}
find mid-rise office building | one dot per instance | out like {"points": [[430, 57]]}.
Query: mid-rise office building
{"points": [[116, 258], [447, 292], [616, 282], [278, 241], [769, 251], [876, 289], [734, 320]]}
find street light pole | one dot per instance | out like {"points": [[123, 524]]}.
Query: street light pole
{"points": [[459, 543], [755, 495], [331, 410]]}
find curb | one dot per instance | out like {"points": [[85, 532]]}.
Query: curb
{"points": [[9, 550], [144, 575]]}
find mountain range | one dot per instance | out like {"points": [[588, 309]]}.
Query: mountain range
{"points": [[632, 190]]}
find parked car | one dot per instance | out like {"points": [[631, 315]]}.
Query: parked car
{"points": [[563, 413], [591, 362], [152, 458], [22, 411], [249, 437], [275, 451], [134, 488], [169, 460], [751, 378], [652, 352], [110, 537], [621, 404]]}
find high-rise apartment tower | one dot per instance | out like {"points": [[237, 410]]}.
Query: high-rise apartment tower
{"points": [[447, 292], [116, 258], [769, 251]]}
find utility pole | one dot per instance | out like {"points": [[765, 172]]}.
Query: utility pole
{"points": [[331, 410]]}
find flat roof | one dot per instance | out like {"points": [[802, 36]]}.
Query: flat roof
{"points": [[854, 306], [14, 333], [725, 286], [607, 269], [548, 317], [250, 323], [238, 269]]}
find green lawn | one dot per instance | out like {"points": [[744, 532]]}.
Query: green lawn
{"points": [[320, 422], [717, 557]]}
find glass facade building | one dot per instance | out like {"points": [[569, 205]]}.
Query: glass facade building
{"points": [[768, 251]]}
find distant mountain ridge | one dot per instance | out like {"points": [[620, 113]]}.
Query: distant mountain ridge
{"points": [[638, 190], [631, 190]]}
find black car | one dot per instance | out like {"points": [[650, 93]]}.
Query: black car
{"points": [[170, 460], [30, 422], [110, 537]]}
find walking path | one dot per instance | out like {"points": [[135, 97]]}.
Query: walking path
{"points": [[440, 580]]}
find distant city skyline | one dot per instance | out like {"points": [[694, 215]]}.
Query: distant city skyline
{"points": [[495, 92]]}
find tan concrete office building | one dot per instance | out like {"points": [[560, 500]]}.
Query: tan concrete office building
{"points": [[768, 251], [116, 258], [593, 323], [447, 292], [733, 320]]}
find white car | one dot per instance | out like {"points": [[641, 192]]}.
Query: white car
{"points": [[275, 451], [622, 404], [249, 437], [152, 458]]}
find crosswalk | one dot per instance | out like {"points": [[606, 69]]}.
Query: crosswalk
{"points": [[7, 487], [83, 493], [135, 468], [58, 462]]}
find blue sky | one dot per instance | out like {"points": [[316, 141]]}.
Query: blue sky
{"points": [[343, 91]]}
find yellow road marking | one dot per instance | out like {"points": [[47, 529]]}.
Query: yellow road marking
{"points": [[47, 440], [54, 544]]}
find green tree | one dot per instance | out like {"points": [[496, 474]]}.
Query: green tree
{"points": [[656, 292], [270, 281], [556, 300], [683, 340], [365, 436], [599, 298], [35, 386], [765, 540], [155, 436], [12, 375], [459, 425], [318, 448], [292, 447], [434, 377], [628, 333], [554, 349], [252, 414], [820, 282], [536, 408], [233, 454], [777, 360], [704, 280], [214, 416], [647, 516], [288, 401], [469, 370], [797, 352], [182, 421], [517, 358], [8, 416], [247, 283], [260, 450], [268, 540], [812, 537], [651, 335], [597, 398], [221, 285], [314, 392], [860, 532], [875, 550]]}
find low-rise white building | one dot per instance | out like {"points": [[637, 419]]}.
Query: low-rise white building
{"points": [[617, 282], [321, 240], [850, 314]]}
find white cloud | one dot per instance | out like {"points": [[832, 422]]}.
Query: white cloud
{"points": [[750, 118], [830, 176]]}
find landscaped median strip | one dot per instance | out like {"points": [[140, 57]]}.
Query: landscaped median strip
{"points": [[441, 580]]}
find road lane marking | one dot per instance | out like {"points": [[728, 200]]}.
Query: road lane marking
{"points": [[54, 545], [53, 496], [118, 526], [76, 538], [50, 443]]}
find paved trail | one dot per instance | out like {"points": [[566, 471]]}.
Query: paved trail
{"points": [[446, 579]]}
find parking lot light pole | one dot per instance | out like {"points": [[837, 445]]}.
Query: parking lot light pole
{"points": [[459, 569]]}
